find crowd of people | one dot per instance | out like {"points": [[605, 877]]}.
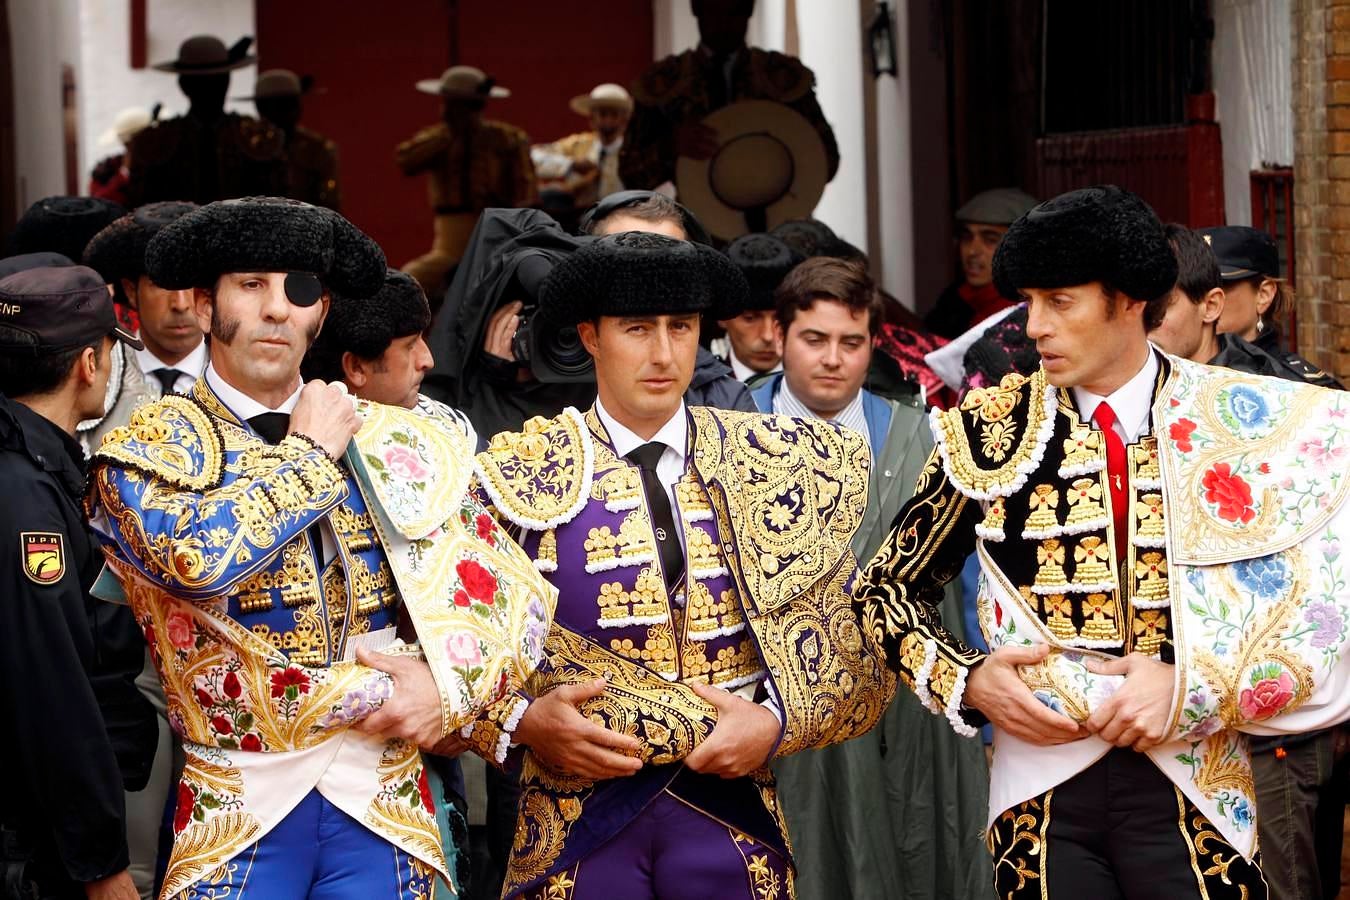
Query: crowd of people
{"points": [[742, 580]]}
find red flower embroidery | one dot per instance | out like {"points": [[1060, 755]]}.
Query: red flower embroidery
{"points": [[289, 678], [998, 614], [1230, 493], [205, 699], [478, 581], [461, 598], [424, 788], [486, 529], [1174, 401], [1264, 468], [1267, 697], [1180, 432], [182, 814], [222, 725], [232, 687], [250, 742]]}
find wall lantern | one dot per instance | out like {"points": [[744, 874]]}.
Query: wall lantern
{"points": [[881, 38]]}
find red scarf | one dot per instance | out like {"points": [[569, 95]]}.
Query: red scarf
{"points": [[984, 301]]}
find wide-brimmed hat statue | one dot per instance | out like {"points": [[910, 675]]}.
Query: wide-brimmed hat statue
{"points": [[463, 83], [770, 168], [205, 54], [608, 95]]}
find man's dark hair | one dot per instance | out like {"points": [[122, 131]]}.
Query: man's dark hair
{"points": [[32, 375], [825, 278], [1197, 269], [656, 208]]}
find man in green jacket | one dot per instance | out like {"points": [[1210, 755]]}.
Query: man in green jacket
{"points": [[899, 812]]}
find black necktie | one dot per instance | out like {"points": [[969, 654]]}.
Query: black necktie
{"points": [[663, 522], [271, 426], [167, 379]]}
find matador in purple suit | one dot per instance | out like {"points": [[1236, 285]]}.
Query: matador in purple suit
{"points": [[703, 628]]}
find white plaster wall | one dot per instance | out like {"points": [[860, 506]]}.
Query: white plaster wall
{"points": [[42, 39], [1253, 71], [895, 211], [108, 84]]}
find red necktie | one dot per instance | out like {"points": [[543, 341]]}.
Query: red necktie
{"points": [[1116, 475]]}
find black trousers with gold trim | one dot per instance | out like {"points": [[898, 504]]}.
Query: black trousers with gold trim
{"points": [[1118, 830]]}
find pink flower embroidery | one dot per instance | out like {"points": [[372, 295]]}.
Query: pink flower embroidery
{"points": [[181, 631], [1267, 697], [462, 649], [405, 464], [1318, 453]]}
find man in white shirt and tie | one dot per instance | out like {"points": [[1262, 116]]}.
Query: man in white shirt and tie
{"points": [[175, 353]]}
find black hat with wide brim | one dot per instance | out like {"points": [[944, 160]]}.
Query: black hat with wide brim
{"points": [[264, 234], [205, 54], [62, 225]]}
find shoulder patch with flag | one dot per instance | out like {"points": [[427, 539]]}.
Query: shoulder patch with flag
{"points": [[44, 556]]}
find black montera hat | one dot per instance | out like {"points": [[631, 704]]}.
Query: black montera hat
{"points": [[367, 325], [62, 225], [765, 261], [264, 234], [638, 273], [1099, 233], [118, 251]]}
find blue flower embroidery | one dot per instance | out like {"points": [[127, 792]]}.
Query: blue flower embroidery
{"points": [[1265, 576], [1242, 814], [1050, 700], [1248, 407]]}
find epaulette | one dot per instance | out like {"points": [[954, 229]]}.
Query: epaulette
{"points": [[997, 436], [540, 477], [777, 76], [172, 439], [664, 81]]}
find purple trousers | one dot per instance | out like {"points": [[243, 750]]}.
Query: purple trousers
{"points": [[672, 851]]}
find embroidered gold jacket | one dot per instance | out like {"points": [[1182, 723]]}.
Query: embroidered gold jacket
{"points": [[768, 507], [211, 535], [1230, 570]]}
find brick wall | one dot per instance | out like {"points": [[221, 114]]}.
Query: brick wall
{"points": [[1321, 79]]}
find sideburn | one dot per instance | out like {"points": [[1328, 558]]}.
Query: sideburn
{"points": [[222, 329]]}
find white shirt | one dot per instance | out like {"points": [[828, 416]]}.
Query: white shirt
{"points": [[190, 367], [785, 403], [241, 404], [740, 371], [1131, 402], [674, 434]]}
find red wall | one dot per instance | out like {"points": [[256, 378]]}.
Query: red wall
{"points": [[367, 56]]}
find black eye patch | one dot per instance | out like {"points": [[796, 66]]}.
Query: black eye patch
{"points": [[303, 289]]}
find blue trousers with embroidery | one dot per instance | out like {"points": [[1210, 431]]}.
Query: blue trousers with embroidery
{"points": [[320, 853]]}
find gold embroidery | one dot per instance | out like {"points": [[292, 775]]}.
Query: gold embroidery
{"points": [[996, 439], [1017, 843], [1085, 502], [1151, 571], [1059, 612], [644, 604], [1148, 509], [1102, 616], [538, 476], [633, 543], [305, 644], [765, 881], [705, 557], [738, 664], [547, 553], [995, 517], [709, 618], [692, 499], [1092, 557], [656, 653], [1082, 447], [1144, 455], [1050, 558], [990, 405], [1043, 504], [1150, 630]]}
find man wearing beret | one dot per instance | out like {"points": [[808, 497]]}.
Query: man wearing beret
{"points": [[243, 534], [73, 729], [1161, 574], [980, 226], [703, 626]]}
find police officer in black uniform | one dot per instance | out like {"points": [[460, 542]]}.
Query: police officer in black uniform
{"points": [[73, 729]]}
